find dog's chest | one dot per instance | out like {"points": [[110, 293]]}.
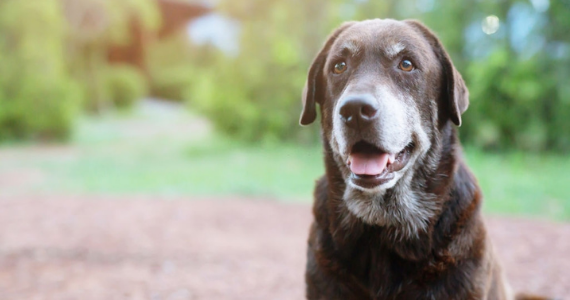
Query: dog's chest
{"points": [[385, 275]]}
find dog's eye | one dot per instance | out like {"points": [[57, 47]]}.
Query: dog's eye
{"points": [[406, 65], [339, 67]]}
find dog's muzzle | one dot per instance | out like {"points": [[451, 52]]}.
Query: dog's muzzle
{"points": [[369, 162]]}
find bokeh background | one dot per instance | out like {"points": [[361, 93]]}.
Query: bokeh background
{"points": [[107, 106]]}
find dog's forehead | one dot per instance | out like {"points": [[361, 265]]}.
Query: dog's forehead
{"points": [[388, 36]]}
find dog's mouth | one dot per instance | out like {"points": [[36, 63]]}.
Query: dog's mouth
{"points": [[371, 166]]}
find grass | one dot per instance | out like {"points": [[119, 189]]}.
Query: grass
{"points": [[110, 156], [523, 184], [216, 168]]}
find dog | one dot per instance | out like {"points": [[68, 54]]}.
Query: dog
{"points": [[397, 213]]}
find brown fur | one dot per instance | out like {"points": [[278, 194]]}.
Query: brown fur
{"points": [[452, 257]]}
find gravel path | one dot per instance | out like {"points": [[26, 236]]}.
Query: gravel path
{"points": [[141, 248]]}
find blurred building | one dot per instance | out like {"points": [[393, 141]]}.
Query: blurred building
{"points": [[175, 15]]}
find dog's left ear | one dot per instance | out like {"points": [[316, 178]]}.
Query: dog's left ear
{"points": [[456, 91]]}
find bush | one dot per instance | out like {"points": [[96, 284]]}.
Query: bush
{"points": [[507, 106], [38, 111], [125, 85], [170, 83], [38, 100]]}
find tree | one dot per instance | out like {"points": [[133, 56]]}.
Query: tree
{"points": [[38, 99]]}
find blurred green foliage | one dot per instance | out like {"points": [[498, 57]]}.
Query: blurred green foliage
{"points": [[38, 99], [519, 93], [518, 76], [173, 63], [125, 85], [52, 62]]}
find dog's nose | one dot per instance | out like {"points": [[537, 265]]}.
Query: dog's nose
{"points": [[359, 111]]}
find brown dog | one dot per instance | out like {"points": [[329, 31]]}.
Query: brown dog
{"points": [[397, 215]]}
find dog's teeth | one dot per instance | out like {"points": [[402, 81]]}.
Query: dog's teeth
{"points": [[391, 159]]}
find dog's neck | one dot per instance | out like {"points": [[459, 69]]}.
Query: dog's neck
{"points": [[436, 179]]}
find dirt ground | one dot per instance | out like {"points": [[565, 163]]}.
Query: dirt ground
{"points": [[141, 248]]}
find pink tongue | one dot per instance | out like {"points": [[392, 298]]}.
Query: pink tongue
{"points": [[368, 163]]}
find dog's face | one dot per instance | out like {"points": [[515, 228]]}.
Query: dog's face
{"points": [[379, 74], [385, 88]]}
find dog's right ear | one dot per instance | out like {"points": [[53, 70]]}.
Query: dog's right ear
{"points": [[456, 91], [314, 87]]}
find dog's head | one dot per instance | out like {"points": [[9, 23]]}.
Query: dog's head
{"points": [[385, 88]]}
